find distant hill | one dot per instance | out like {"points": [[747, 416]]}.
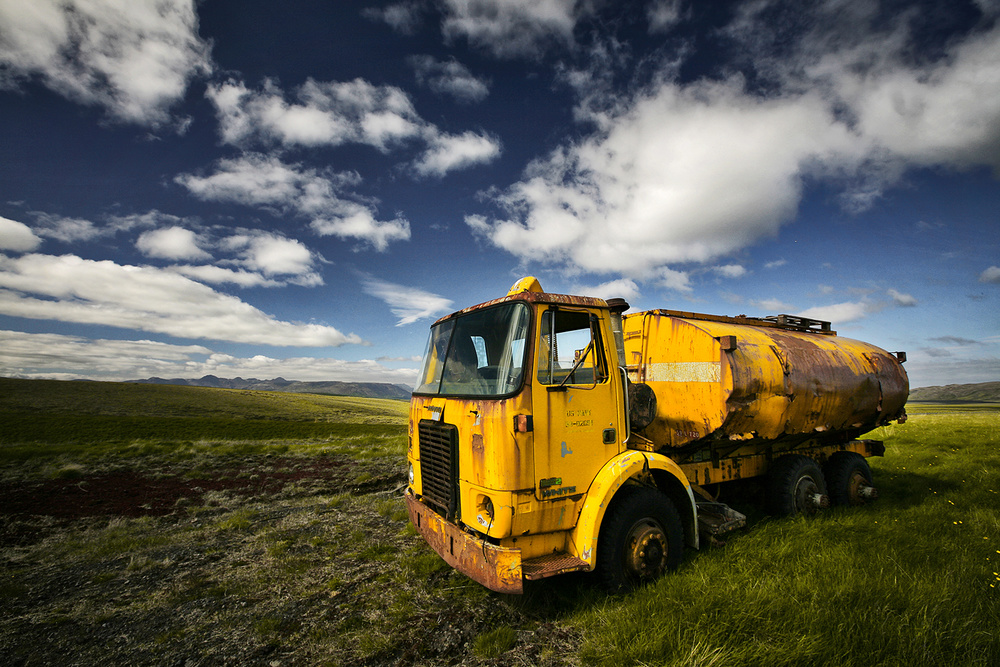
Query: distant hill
{"points": [[983, 392], [360, 389]]}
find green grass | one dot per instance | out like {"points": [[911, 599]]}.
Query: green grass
{"points": [[909, 580], [334, 575], [81, 421]]}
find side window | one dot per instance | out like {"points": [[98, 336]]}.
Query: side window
{"points": [[569, 349]]}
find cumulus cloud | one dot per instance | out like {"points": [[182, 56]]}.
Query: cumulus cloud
{"points": [[265, 181], [60, 356], [17, 236], [71, 289], [513, 28], [356, 112], [730, 271], [990, 275], [171, 243], [685, 174], [409, 304], [324, 113], [679, 173], [623, 288], [134, 59], [449, 77], [448, 152], [273, 255]]}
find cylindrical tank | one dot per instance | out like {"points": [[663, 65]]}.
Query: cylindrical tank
{"points": [[739, 379]]}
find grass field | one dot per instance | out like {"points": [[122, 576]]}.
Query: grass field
{"points": [[144, 524]]}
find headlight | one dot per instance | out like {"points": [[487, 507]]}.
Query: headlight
{"points": [[412, 476]]}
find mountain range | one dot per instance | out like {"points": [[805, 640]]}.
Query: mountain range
{"points": [[982, 392]]}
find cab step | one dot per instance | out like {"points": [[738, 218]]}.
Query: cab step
{"points": [[550, 565]]}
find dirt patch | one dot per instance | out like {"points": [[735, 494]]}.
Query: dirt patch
{"points": [[263, 561], [132, 493]]}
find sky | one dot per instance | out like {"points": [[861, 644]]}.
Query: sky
{"points": [[246, 188]]}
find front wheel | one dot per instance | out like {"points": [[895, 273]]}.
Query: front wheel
{"points": [[641, 538]]}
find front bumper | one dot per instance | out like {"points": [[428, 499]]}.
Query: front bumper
{"points": [[497, 568]]}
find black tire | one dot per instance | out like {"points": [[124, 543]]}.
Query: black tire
{"points": [[849, 479], [641, 538], [796, 485]]}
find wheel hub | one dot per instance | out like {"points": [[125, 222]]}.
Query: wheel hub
{"points": [[647, 551]]}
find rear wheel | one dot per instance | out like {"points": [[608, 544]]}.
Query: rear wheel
{"points": [[641, 538], [849, 479], [796, 486]]}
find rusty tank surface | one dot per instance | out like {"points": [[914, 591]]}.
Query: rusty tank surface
{"points": [[701, 380]]}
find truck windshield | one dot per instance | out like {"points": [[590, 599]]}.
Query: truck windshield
{"points": [[477, 354]]}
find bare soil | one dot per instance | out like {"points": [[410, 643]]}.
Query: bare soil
{"points": [[260, 561]]}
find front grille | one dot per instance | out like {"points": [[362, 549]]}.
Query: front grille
{"points": [[439, 465]]}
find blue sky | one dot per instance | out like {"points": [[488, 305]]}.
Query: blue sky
{"points": [[299, 189]]}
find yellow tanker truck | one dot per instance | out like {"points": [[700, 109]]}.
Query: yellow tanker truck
{"points": [[552, 433]]}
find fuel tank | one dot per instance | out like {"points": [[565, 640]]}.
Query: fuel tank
{"points": [[774, 380]]}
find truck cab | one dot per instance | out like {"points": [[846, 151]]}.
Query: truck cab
{"points": [[519, 437]]}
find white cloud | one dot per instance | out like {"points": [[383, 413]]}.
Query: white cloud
{"points": [[265, 181], [776, 264], [67, 230], [274, 255], [409, 304], [683, 174], [837, 313], [71, 289], [901, 299], [513, 28], [678, 174], [448, 152], [679, 281], [623, 288], [17, 236], [135, 59], [218, 275], [68, 357], [449, 77], [730, 271], [326, 114], [171, 243], [990, 275]]}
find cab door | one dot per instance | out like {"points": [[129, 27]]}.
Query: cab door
{"points": [[576, 401]]}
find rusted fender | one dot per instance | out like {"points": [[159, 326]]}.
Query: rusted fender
{"points": [[606, 484], [497, 568]]}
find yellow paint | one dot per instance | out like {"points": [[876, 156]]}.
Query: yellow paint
{"points": [[583, 539], [775, 383], [570, 421], [526, 284]]}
